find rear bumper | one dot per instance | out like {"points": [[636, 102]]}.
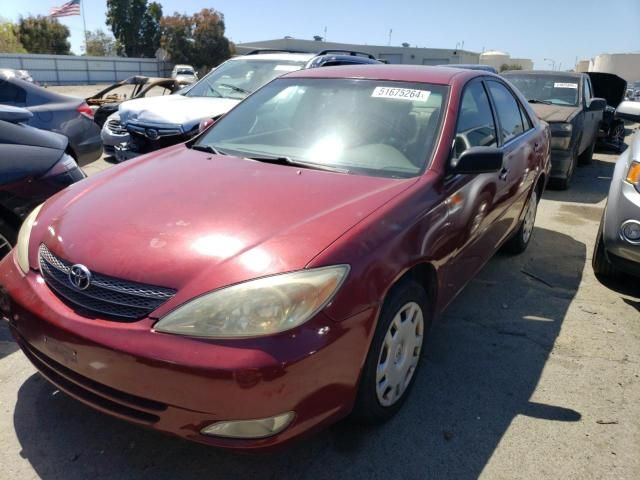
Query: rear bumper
{"points": [[179, 385]]}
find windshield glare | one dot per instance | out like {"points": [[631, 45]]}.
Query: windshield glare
{"points": [[555, 89], [238, 78], [364, 126]]}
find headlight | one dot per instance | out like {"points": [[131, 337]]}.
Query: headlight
{"points": [[560, 135], [258, 307], [22, 247]]}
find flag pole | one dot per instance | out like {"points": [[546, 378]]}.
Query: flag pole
{"points": [[84, 24]]}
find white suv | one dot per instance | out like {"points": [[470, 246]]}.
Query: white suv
{"points": [[147, 124]]}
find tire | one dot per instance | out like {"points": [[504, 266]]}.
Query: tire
{"points": [[394, 354], [8, 236], [520, 240], [587, 156], [600, 263], [565, 183]]}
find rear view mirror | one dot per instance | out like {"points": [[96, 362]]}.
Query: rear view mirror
{"points": [[629, 111], [596, 104], [477, 160]]}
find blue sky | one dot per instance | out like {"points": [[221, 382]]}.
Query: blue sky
{"points": [[536, 29]]}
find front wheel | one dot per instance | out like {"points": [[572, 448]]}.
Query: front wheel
{"points": [[600, 263], [394, 354], [587, 156], [8, 237], [520, 240]]}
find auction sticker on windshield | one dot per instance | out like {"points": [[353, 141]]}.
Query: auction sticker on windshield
{"points": [[286, 68], [565, 85], [401, 94]]}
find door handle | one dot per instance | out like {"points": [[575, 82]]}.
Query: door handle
{"points": [[504, 173]]}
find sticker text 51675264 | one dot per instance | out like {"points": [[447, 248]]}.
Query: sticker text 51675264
{"points": [[401, 94]]}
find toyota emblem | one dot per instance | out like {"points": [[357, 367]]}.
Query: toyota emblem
{"points": [[152, 133], [80, 277]]}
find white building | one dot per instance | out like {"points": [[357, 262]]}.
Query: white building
{"points": [[497, 59], [392, 54], [625, 65]]}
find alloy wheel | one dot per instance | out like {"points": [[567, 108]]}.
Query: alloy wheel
{"points": [[399, 354], [5, 246]]}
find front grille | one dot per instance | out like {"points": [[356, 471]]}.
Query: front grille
{"points": [[153, 132], [106, 296], [116, 127], [132, 407]]}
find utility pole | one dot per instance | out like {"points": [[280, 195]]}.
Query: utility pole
{"points": [[390, 32]]}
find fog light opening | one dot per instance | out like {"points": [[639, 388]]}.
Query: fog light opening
{"points": [[630, 231], [259, 428]]}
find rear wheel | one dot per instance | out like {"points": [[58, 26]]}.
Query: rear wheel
{"points": [[8, 237], [600, 263], [520, 240], [394, 354]]}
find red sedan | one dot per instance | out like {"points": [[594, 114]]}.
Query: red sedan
{"points": [[283, 269]]}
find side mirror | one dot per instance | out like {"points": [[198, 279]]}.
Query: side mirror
{"points": [[596, 105], [477, 160], [629, 111]]}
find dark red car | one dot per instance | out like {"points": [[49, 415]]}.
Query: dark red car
{"points": [[281, 270]]}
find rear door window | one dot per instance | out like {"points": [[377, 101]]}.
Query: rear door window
{"points": [[508, 111], [11, 94]]}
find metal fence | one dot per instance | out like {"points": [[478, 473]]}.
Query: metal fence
{"points": [[72, 70]]}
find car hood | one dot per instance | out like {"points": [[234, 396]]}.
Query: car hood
{"points": [[554, 113], [199, 222], [608, 86], [174, 109]]}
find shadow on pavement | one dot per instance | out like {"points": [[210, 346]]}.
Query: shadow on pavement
{"points": [[590, 183], [7, 345], [483, 363]]}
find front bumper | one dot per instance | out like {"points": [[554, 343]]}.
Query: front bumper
{"points": [[180, 385], [560, 163]]}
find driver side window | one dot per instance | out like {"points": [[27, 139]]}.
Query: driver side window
{"points": [[476, 126]]}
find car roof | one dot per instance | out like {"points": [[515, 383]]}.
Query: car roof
{"points": [[303, 57], [544, 72], [402, 73]]}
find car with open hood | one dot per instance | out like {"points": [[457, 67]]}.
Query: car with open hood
{"points": [[106, 101], [34, 165], [613, 89], [566, 101], [154, 123], [281, 270]]}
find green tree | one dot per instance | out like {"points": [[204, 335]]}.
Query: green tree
{"points": [[42, 34], [211, 47], [198, 39], [135, 25], [505, 67], [9, 42], [100, 44], [177, 37]]}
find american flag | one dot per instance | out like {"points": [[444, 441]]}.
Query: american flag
{"points": [[66, 10]]}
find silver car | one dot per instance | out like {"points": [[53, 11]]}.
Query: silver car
{"points": [[617, 246]]}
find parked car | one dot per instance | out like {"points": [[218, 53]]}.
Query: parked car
{"points": [[34, 165], [612, 88], [566, 101], [155, 123], [617, 247], [184, 74], [70, 116], [471, 66], [106, 101], [19, 74], [283, 269]]}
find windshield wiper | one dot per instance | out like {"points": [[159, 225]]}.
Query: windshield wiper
{"points": [[206, 148], [234, 88], [297, 163], [535, 100]]}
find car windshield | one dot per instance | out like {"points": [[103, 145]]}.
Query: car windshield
{"points": [[367, 127], [238, 78], [184, 71], [555, 89]]}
